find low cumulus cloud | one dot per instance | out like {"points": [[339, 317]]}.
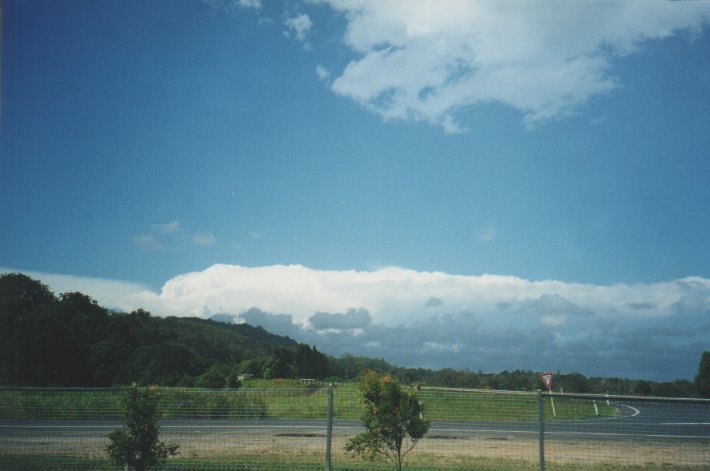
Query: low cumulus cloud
{"points": [[352, 319], [428, 60], [435, 320], [323, 74], [433, 302], [299, 27], [281, 324]]}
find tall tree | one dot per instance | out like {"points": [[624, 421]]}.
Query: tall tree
{"points": [[136, 444], [392, 419], [20, 295], [310, 363], [702, 379]]}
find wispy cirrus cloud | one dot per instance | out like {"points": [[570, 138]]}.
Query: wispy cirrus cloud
{"points": [[148, 242], [429, 60], [488, 234], [203, 239], [164, 235], [166, 228], [233, 5], [250, 4]]}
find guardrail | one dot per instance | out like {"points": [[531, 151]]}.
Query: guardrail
{"points": [[306, 427]]}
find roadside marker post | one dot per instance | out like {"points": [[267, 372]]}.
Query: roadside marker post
{"points": [[329, 428], [547, 380], [541, 430]]}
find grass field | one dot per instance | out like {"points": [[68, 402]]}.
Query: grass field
{"points": [[264, 449], [284, 399]]}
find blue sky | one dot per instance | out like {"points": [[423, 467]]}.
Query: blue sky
{"points": [[202, 157]]}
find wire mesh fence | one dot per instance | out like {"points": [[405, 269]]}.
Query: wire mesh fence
{"points": [[636, 433], [288, 428]]}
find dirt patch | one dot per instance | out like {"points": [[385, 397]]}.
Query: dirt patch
{"points": [[442, 449]]}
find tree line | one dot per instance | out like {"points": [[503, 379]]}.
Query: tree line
{"points": [[69, 340], [348, 366]]}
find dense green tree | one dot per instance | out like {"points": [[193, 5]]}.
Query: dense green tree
{"points": [[643, 388], [669, 389], [80, 322], [72, 341], [351, 367], [137, 443], [214, 377], [233, 378], [310, 363], [20, 295], [574, 383], [252, 366], [106, 357], [392, 419], [52, 343], [22, 292], [281, 364], [702, 379]]}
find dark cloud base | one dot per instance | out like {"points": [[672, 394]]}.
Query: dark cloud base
{"points": [[663, 350]]}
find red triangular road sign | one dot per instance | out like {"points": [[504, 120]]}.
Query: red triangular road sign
{"points": [[547, 379]]}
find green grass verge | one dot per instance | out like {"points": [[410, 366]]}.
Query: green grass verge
{"points": [[287, 399]]}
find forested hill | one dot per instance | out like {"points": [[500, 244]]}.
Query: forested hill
{"points": [[70, 340]]}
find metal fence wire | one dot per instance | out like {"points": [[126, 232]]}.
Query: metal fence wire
{"points": [[627, 433], [307, 428]]}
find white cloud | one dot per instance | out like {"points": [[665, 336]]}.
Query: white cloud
{"points": [[352, 319], [167, 228], [553, 320], [488, 234], [322, 73], [165, 235], [148, 242], [427, 60], [250, 4], [395, 295], [230, 6], [406, 316], [299, 26], [204, 239]]}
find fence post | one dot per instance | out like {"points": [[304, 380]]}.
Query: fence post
{"points": [[541, 422], [329, 429]]}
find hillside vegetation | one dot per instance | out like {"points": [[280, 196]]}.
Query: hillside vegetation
{"points": [[70, 340]]}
